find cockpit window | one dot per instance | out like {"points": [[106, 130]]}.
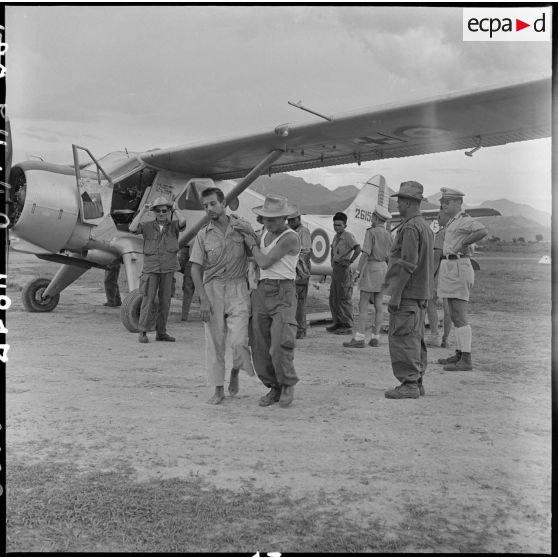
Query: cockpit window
{"points": [[117, 163], [191, 197]]}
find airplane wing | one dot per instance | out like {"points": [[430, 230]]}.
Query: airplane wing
{"points": [[486, 117]]}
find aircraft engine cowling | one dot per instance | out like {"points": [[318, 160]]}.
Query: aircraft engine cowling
{"points": [[43, 207]]}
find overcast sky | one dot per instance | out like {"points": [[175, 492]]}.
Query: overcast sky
{"points": [[140, 77]]}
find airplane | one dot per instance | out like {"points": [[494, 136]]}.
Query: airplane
{"points": [[78, 215]]}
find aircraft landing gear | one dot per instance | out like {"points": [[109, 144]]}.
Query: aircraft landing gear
{"points": [[130, 312], [32, 296]]}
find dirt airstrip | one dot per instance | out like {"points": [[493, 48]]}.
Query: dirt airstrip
{"points": [[474, 453]]}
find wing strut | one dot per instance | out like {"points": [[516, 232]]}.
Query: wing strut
{"points": [[258, 170]]}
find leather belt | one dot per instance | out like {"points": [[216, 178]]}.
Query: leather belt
{"points": [[454, 257], [275, 281]]}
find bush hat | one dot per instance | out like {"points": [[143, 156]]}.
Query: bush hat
{"points": [[161, 201], [274, 206], [410, 189]]}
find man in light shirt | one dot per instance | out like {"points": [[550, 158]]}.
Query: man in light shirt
{"points": [[456, 276]]}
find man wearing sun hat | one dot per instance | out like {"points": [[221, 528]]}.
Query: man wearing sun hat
{"points": [[371, 271], [409, 283], [274, 323], [456, 275], [160, 246]]}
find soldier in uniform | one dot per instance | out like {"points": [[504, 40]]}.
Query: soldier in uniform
{"points": [[344, 251], [457, 276], [303, 271], [112, 291], [371, 272], [160, 246], [187, 281], [408, 282]]}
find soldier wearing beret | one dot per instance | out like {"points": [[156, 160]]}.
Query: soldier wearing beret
{"points": [[456, 276], [409, 283]]}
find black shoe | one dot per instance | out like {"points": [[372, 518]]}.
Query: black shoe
{"points": [[332, 327], [343, 331], [143, 337], [300, 334], [455, 358], [164, 337], [271, 397]]}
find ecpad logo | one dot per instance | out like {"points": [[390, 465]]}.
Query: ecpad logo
{"points": [[507, 24]]}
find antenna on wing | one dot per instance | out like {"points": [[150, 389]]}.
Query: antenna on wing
{"points": [[302, 107], [476, 148]]}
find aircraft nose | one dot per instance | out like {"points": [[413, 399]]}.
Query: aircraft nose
{"points": [[16, 195]]}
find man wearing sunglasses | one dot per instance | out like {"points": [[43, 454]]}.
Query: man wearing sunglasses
{"points": [[160, 248]]}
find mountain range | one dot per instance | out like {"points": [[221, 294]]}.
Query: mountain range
{"points": [[517, 220]]}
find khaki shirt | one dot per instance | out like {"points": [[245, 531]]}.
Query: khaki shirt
{"points": [[412, 254], [377, 244], [342, 247], [222, 254], [160, 247], [458, 229]]}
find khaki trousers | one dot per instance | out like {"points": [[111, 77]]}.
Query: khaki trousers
{"points": [[273, 332], [407, 348], [152, 284], [228, 320]]}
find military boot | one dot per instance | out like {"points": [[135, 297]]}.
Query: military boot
{"points": [[408, 390], [463, 364], [455, 358]]}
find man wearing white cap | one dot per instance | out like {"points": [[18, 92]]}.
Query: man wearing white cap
{"points": [[409, 283], [456, 276], [371, 271], [160, 246], [274, 301]]}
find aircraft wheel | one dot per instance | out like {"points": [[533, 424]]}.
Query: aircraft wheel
{"points": [[32, 296], [130, 312]]}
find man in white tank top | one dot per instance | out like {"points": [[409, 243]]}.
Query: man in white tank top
{"points": [[274, 323]]}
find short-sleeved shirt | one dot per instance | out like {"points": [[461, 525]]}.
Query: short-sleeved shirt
{"points": [[377, 244], [458, 229], [341, 247], [413, 254], [303, 266], [222, 254], [160, 246]]}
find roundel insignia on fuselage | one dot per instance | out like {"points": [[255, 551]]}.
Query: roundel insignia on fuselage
{"points": [[320, 246]]}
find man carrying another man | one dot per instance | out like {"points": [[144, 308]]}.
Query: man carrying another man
{"points": [[160, 246], [456, 273], [274, 301], [408, 282], [219, 271]]}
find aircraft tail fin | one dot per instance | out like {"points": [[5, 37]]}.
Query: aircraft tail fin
{"points": [[374, 192]]}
